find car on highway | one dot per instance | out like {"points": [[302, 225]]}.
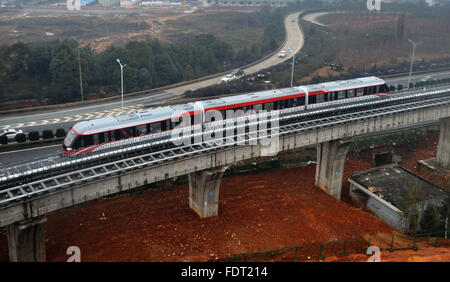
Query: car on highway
{"points": [[228, 77], [11, 133], [426, 79], [237, 72], [282, 54]]}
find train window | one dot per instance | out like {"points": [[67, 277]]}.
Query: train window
{"points": [[301, 101], [373, 90], [155, 127], [320, 98], [87, 140], [127, 133], [341, 94], [76, 143], [381, 89], [106, 136], [101, 138], [312, 99], [96, 139], [141, 130], [351, 93], [359, 92], [365, 91], [117, 135], [332, 96], [276, 105], [257, 107], [268, 106]]}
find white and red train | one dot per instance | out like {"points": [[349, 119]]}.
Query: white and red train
{"points": [[98, 134]]}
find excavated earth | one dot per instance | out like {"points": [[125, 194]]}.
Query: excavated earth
{"points": [[257, 211]]}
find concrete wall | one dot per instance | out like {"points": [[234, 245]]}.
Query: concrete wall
{"points": [[52, 202], [384, 210], [443, 152]]}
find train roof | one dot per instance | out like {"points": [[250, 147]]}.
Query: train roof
{"points": [[166, 112]]}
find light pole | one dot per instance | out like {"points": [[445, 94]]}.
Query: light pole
{"points": [[292, 70], [412, 60], [293, 63], [121, 77], [81, 79]]}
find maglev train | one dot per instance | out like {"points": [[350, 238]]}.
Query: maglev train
{"points": [[99, 134]]}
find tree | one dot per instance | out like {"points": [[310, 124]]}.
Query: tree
{"points": [[430, 221], [188, 72], [411, 211]]}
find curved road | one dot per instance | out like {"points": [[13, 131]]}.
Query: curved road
{"points": [[52, 119]]}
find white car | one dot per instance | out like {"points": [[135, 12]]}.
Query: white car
{"points": [[228, 77], [11, 133], [282, 54]]}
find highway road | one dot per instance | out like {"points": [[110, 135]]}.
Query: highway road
{"points": [[65, 118]]}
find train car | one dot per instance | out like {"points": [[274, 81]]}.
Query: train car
{"points": [[98, 134]]}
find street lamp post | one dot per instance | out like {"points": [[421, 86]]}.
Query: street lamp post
{"points": [[412, 60], [292, 70], [121, 77], [81, 79]]}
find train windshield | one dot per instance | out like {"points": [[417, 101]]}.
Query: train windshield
{"points": [[70, 137]]}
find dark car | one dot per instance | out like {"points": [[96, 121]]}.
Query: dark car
{"points": [[237, 72]]}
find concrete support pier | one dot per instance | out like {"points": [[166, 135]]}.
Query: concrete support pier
{"points": [[26, 240], [204, 191], [330, 166], [443, 152]]}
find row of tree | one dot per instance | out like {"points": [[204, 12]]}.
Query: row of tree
{"points": [[49, 71]]}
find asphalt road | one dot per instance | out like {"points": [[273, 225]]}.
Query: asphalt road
{"points": [[403, 80], [15, 158], [65, 118]]}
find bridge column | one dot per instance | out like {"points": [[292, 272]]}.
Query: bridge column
{"points": [[26, 241], [330, 166], [204, 191], [443, 152]]}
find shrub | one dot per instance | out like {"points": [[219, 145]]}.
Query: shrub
{"points": [[3, 140], [20, 137], [391, 88], [47, 134], [33, 136], [399, 87], [60, 132]]}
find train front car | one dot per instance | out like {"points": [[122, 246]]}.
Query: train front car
{"points": [[70, 142]]}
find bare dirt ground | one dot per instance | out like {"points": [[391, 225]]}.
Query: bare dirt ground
{"points": [[265, 210], [428, 254]]}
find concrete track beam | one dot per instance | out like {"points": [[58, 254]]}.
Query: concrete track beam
{"points": [[204, 191], [26, 240], [443, 152], [330, 166]]}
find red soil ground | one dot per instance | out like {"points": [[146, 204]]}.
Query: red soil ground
{"points": [[265, 210]]}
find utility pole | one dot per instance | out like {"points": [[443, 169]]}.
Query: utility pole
{"points": [[81, 78], [121, 77], [412, 60]]}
